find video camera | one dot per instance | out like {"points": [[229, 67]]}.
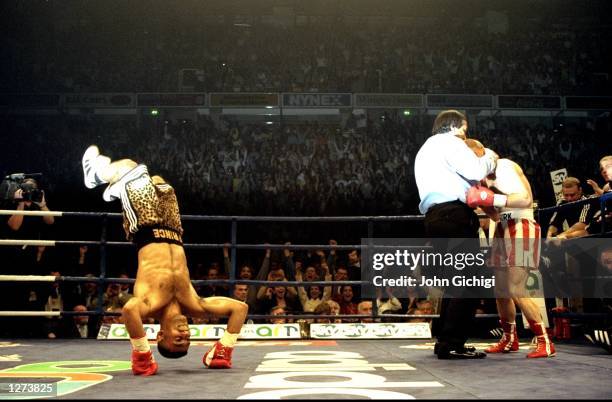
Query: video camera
{"points": [[16, 181]]}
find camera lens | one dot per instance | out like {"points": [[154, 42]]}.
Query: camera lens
{"points": [[36, 195]]}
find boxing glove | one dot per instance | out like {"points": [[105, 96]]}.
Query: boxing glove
{"points": [[479, 196]]}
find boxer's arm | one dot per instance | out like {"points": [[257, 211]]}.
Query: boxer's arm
{"points": [[223, 306], [133, 312], [524, 198], [516, 179], [197, 306]]}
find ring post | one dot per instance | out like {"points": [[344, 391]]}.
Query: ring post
{"points": [[602, 201], [100, 307], [232, 273], [368, 250]]}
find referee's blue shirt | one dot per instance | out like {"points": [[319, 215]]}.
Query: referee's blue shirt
{"points": [[442, 168]]}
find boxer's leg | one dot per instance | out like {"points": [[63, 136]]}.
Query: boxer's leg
{"points": [[98, 169], [220, 355], [544, 347], [507, 313]]}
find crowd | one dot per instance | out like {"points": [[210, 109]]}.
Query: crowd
{"points": [[293, 169], [308, 168], [68, 54], [279, 299]]}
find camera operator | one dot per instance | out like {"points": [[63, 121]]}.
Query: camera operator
{"points": [[23, 194], [26, 260], [26, 198]]}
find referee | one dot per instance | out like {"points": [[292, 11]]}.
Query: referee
{"points": [[445, 168]]}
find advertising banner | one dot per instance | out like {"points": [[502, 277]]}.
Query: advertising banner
{"points": [[404, 330], [201, 332]]}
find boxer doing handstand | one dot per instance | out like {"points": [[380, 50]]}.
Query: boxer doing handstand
{"points": [[515, 250], [162, 290]]}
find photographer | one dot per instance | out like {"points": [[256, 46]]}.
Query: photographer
{"points": [[20, 193], [28, 197], [25, 195]]}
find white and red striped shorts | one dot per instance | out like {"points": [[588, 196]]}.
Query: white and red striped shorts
{"points": [[516, 244]]}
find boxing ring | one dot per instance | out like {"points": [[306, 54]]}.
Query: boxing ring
{"points": [[389, 369], [287, 368]]}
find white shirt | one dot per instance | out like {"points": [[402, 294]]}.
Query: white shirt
{"points": [[438, 166], [82, 330], [389, 306]]}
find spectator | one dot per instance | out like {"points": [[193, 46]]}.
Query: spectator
{"points": [[113, 299], [278, 296], [310, 274], [365, 308], [240, 292], [213, 290], [83, 262], [346, 302], [278, 310], [246, 272], [354, 265], [54, 303], [79, 326], [277, 272], [125, 288], [340, 275], [567, 220], [390, 305], [114, 318], [605, 165], [423, 307], [334, 310], [88, 292], [322, 309], [312, 298]]}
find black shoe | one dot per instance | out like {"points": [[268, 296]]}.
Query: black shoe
{"points": [[461, 355], [467, 348]]}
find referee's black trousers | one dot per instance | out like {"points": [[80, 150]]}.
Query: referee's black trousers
{"points": [[454, 220]]}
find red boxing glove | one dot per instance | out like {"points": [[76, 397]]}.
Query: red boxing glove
{"points": [[143, 363], [479, 196]]}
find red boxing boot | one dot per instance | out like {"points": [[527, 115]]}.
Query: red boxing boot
{"points": [[143, 363], [544, 347], [508, 342], [218, 357]]}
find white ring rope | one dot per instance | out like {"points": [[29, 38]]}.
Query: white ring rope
{"points": [[30, 213], [28, 278], [15, 242], [30, 313]]}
